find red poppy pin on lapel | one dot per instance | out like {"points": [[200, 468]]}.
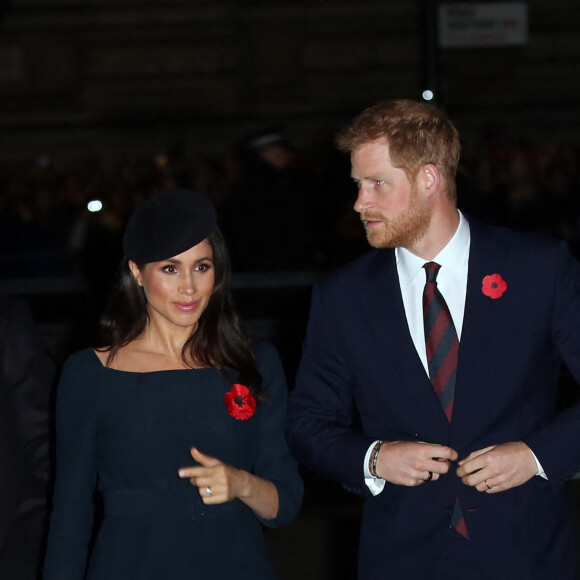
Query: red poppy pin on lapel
{"points": [[493, 286], [239, 402]]}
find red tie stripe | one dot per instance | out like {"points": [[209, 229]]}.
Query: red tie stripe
{"points": [[442, 350], [458, 521], [440, 340]]}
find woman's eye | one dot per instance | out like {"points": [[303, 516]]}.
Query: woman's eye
{"points": [[170, 269], [379, 182], [203, 267]]}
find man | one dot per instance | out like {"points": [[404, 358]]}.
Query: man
{"points": [[274, 192], [26, 374], [447, 341]]}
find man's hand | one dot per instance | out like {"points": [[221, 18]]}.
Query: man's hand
{"points": [[498, 467], [410, 463]]}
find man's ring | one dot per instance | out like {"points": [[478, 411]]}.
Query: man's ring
{"points": [[208, 491], [487, 484], [430, 476]]}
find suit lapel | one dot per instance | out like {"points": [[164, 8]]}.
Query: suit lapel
{"points": [[480, 330], [385, 313]]}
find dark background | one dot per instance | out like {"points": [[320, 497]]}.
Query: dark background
{"points": [[118, 99]]}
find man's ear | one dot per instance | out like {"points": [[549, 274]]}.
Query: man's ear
{"points": [[430, 179], [136, 272]]}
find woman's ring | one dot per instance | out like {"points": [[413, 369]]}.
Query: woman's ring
{"points": [[208, 491], [487, 484], [430, 476]]}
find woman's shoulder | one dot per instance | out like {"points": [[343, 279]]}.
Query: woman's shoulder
{"points": [[82, 359], [262, 348], [265, 353], [79, 381], [270, 367]]}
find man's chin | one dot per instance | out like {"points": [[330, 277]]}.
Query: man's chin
{"points": [[377, 241]]}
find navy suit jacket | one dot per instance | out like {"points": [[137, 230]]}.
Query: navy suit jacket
{"points": [[359, 358]]}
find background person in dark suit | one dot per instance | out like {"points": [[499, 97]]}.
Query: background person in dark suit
{"points": [[26, 375], [465, 482]]}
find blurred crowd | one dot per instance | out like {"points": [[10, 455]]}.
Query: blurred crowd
{"points": [[523, 186], [281, 209]]}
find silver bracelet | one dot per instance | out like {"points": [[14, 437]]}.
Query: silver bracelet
{"points": [[373, 459]]}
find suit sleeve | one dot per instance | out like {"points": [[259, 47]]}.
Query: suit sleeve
{"points": [[321, 429], [76, 437], [557, 445], [27, 373], [275, 463]]}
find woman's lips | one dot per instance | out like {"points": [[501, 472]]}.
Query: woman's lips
{"points": [[187, 306]]}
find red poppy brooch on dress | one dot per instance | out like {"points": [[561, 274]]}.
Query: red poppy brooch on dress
{"points": [[493, 286], [239, 402]]}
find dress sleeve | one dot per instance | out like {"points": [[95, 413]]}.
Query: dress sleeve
{"points": [[275, 462], [76, 437]]}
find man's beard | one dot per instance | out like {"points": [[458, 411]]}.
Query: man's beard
{"points": [[404, 231]]}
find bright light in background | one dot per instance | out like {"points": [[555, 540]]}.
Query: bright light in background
{"points": [[428, 95], [94, 205]]}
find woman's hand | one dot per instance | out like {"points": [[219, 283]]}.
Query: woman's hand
{"points": [[218, 482]]}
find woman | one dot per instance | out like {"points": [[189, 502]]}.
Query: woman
{"points": [[174, 419]]}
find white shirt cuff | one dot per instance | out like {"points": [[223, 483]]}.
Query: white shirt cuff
{"points": [[540, 471]]}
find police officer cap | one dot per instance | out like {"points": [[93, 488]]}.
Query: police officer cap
{"points": [[168, 224]]}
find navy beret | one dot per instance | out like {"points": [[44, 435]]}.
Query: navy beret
{"points": [[168, 224]]}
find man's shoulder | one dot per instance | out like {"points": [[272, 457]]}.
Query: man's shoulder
{"points": [[14, 307], [517, 242], [359, 271]]}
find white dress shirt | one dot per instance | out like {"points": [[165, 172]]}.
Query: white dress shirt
{"points": [[451, 282]]}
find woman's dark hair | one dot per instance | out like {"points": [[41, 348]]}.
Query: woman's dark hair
{"points": [[219, 341]]}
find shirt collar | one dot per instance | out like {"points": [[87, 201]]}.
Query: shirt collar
{"points": [[449, 258]]}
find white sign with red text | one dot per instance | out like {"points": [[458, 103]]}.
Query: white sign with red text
{"points": [[468, 24]]}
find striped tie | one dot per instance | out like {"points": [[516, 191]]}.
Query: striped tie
{"points": [[442, 348], [440, 340]]}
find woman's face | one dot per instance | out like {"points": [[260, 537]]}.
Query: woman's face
{"points": [[178, 289]]}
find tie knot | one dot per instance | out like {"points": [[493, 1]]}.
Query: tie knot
{"points": [[431, 270]]}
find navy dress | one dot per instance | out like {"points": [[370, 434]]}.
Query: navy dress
{"points": [[126, 434]]}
